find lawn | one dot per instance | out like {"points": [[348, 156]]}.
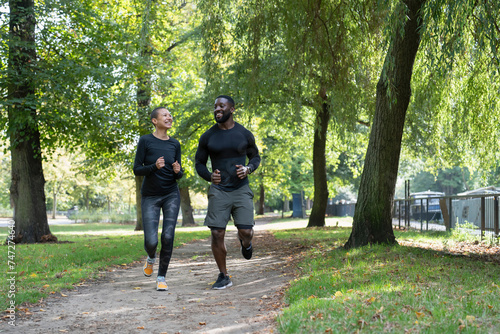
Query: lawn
{"points": [[432, 282], [381, 289]]}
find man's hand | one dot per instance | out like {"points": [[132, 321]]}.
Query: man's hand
{"points": [[242, 171], [177, 167], [216, 177], [160, 163]]}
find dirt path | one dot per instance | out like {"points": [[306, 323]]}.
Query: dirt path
{"points": [[125, 301]]}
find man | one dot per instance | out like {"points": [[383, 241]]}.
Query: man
{"points": [[228, 144]]}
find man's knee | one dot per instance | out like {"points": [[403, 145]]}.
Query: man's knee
{"points": [[245, 232], [218, 236]]}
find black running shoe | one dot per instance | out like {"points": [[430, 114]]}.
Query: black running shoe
{"points": [[247, 252], [223, 281]]}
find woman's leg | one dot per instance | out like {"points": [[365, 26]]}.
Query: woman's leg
{"points": [[170, 208], [150, 219]]}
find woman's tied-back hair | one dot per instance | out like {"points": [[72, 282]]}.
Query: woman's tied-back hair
{"points": [[227, 97]]}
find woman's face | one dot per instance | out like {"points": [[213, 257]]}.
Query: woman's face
{"points": [[163, 120]]}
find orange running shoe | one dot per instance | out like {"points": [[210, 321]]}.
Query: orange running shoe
{"points": [[148, 268], [161, 285]]}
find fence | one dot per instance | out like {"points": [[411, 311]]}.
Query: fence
{"points": [[340, 209], [480, 210]]}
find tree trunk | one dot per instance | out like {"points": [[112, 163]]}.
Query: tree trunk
{"points": [[143, 96], [27, 187], [186, 208], [318, 211], [138, 184], [54, 202], [372, 221], [87, 199], [286, 205], [262, 197]]}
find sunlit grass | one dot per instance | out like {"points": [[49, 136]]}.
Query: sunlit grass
{"points": [[380, 289], [83, 251]]}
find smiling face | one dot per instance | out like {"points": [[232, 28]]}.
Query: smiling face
{"points": [[163, 119], [223, 110]]}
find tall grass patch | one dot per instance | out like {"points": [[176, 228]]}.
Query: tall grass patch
{"points": [[379, 289], [84, 252]]}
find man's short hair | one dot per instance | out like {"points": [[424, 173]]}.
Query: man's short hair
{"points": [[227, 97], [154, 113]]}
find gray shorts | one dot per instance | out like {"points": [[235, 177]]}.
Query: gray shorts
{"points": [[222, 204]]}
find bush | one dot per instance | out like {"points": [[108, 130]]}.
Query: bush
{"points": [[6, 212], [85, 216], [465, 232]]}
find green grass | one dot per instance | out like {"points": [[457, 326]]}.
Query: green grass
{"points": [[84, 251], [380, 289]]}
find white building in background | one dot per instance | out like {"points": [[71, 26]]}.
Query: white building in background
{"points": [[468, 210]]}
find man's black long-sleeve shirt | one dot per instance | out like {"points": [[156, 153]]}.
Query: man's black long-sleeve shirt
{"points": [[226, 149]]}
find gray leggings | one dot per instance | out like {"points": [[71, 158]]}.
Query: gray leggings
{"points": [[151, 206]]}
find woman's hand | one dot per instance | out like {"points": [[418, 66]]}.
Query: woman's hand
{"points": [[177, 167], [160, 163]]}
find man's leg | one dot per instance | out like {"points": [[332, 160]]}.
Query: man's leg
{"points": [[246, 236], [219, 208], [244, 219], [219, 249]]}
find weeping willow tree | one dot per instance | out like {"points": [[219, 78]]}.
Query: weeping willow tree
{"points": [[288, 60], [452, 106], [155, 73], [454, 114]]}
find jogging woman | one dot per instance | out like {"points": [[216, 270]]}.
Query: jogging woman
{"points": [[158, 159]]}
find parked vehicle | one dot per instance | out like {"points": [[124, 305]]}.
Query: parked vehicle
{"points": [[72, 212], [425, 205]]}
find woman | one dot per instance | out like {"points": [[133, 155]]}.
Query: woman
{"points": [[158, 159]]}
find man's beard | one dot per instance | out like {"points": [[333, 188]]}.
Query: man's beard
{"points": [[224, 118]]}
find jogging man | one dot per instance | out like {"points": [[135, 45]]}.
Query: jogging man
{"points": [[228, 144]]}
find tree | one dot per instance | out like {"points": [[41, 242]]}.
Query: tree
{"points": [[453, 32], [90, 68], [300, 57], [162, 28], [58, 173], [143, 95], [186, 208], [5, 178], [27, 187], [372, 222], [449, 181], [58, 76]]}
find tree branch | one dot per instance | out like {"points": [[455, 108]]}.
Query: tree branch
{"points": [[365, 123], [175, 44]]}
